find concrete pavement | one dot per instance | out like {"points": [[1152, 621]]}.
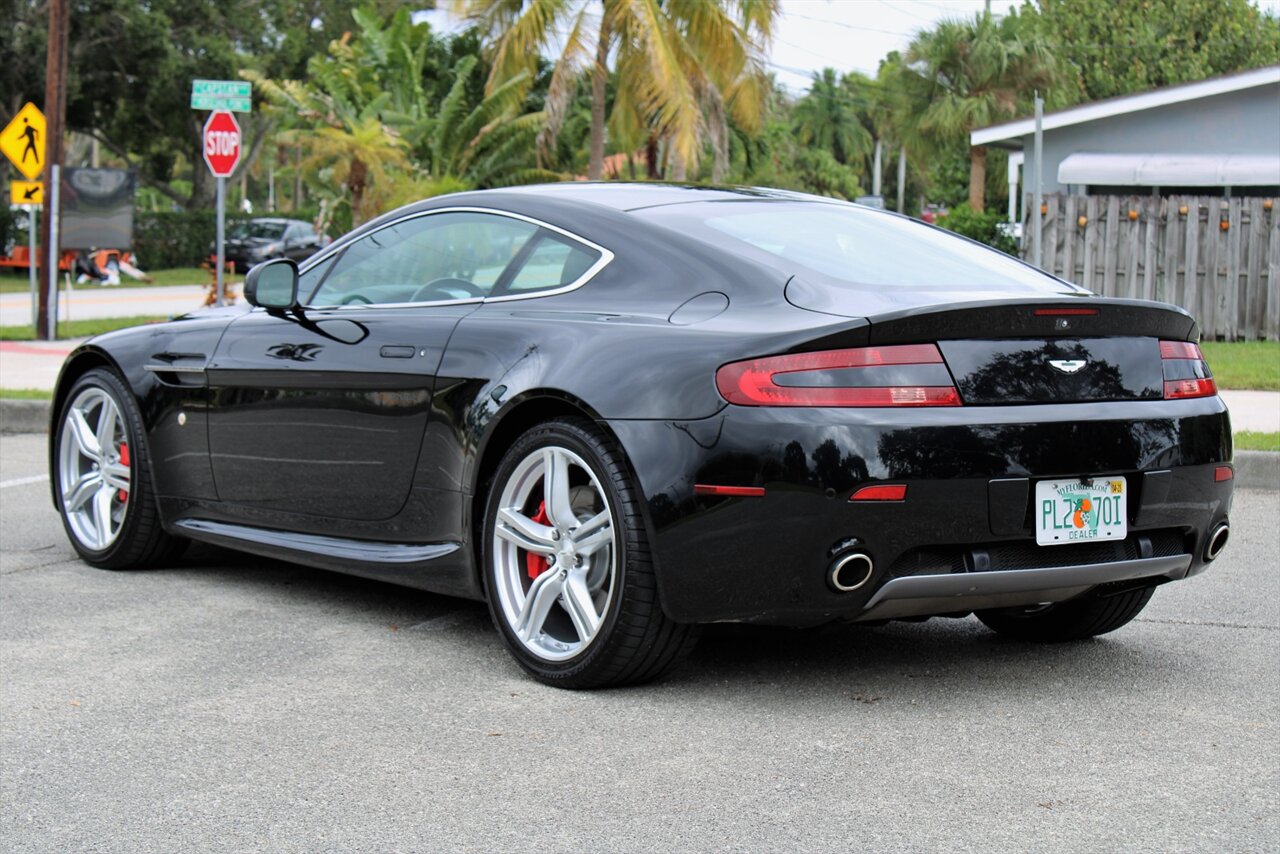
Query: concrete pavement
{"points": [[229, 702]]}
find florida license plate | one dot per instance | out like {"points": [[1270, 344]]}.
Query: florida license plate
{"points": [[1080, 511]]}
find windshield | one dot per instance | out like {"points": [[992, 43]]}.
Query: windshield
{"points": [[265, 230], [851, 245]]}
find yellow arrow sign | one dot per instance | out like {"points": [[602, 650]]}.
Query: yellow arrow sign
{"points": [[22, 140], [26, 192]]}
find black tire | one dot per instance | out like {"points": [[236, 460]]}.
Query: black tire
{"points": [[635, 641], [1068, 621], [139, 540]]}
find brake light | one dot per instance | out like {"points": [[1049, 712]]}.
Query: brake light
{"points": [[1176, 389], [1180, 350], [1186, 374], [1064, 312], [755, 381]]}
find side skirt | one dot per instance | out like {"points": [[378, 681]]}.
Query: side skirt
{"points": [[426, 566]]}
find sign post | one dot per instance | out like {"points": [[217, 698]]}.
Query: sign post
{"points": [[23, 142], [221, 153]]}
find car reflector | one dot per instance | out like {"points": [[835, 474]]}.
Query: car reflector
{"points": [[882, 492], [1222, 473], [736, 491]]}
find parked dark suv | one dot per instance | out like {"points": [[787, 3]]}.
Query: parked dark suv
{"points": [[264, 238]]}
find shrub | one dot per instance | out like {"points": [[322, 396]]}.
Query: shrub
{"points": [[983, 227]]}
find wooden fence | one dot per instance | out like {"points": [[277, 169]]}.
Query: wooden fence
{"points": [[1219, 258]]}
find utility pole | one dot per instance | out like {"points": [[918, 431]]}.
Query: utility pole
{"points": [[55, 113], [1037, 221]]}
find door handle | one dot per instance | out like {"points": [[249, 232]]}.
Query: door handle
{"points": [[398, 351]]}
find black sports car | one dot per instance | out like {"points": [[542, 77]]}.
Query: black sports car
{"points": [[618, 411]]}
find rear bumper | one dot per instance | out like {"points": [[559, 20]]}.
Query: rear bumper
{"points": [[919, 595], [961, 540]]}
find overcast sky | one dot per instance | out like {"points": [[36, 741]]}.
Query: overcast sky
{"points": [[848, 35]]}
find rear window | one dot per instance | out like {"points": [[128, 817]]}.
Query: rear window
{"points": [[850, 244]]}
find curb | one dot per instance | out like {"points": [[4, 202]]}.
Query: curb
{"points": [[24, 416], [1257, 469], [1254, 469]]}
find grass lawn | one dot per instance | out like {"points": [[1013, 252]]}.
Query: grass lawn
{"points": [[1251, 440], [26, 394], [11, 283], [1244, 364], [77, 328]]}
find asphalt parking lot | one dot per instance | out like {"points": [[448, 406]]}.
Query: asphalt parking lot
{"points": [[235, 703]]}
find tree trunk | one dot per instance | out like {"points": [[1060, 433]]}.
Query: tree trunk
{"points": [[679, 171], [356, 184], [298, 201], [651, 156], [977, 178], [599, 76]]}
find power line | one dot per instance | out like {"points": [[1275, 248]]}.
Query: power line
{"points": [[847, 26]]}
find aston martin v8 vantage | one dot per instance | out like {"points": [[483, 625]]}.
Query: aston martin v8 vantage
{"points": [[616, 412]]}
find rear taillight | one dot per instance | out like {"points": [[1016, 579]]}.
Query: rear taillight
{"points": [[1186, 374], [865, 376]]}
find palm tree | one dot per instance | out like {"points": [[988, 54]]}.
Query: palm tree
{"points": [[674, 60], [370, 127], [978, 72], [829, 117], [484, 144]]}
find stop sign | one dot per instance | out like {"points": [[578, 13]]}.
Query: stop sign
{"points": [[222, 143]]}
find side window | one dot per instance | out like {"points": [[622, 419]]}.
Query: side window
{"points": [[430, 258], [553, 263], [307, 281]]}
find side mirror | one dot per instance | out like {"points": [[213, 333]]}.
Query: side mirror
{"points": [[273, 284]]}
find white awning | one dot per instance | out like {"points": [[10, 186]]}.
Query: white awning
{"points": [[1170, 170]]}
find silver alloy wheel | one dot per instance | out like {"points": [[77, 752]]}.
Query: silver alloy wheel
{"points": [[94, 468], [555, 553]]}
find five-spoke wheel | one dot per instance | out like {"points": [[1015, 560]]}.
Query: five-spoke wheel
{"points": [[94, 468], [101, 479], [554, 552], [567, 569]]}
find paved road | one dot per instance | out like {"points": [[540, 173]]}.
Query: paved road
{"points": [[237, 703]]}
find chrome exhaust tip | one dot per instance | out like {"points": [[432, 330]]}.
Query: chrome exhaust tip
{"points": [[1217, 541], [850, 571]]}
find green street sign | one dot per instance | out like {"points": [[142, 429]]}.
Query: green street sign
{"points": [[233, 95]]}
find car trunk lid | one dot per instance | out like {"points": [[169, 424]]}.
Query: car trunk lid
{"points": [[1005, 351]]}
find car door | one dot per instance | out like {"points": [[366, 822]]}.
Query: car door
{"points": [[322, 411]]}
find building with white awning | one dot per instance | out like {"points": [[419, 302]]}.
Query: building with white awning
{"points": [[1217, 136]]}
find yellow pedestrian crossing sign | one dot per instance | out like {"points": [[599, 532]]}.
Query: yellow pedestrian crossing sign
{"points": [[22, 141], [26, 192]]}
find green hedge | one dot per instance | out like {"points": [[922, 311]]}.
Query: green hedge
{"points": [[181, 239], [983, 227]]}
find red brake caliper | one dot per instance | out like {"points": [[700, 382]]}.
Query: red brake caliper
{"points": [[124, 461], [536, 564]]}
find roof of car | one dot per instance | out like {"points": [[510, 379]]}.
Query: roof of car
{"points": [[276, 220], [633, 196]]}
